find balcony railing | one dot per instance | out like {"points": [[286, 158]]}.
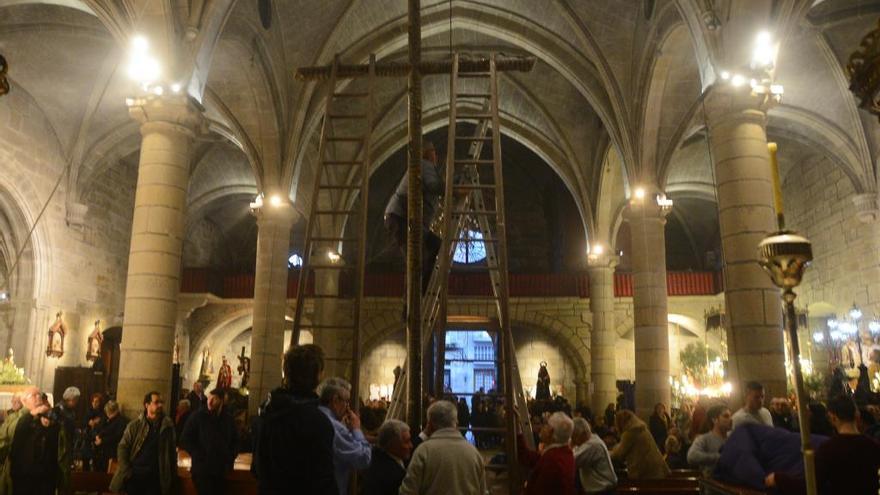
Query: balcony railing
{"points": [[241, 285]]}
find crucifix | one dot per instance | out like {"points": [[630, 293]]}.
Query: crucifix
{"points": [[415, 68]]}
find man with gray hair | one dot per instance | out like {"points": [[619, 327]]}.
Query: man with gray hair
{"points": [[351, 450], [552, 470], [387, 467], [595, 474], [445, 463], [66, 412]]}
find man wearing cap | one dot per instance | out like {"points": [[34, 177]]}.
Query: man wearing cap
{"points": [[396, 210]]}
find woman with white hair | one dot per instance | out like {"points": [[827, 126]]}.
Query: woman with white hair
{"points": [[552, 470]]}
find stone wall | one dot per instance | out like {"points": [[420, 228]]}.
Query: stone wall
{"points": [[78, 269], [819, 204]]}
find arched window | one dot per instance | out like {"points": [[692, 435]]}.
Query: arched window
{"points": [[472, 249], [295, 261]]}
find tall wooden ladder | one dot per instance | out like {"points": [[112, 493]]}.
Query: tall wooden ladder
{"points": [[469, 201], [339, 205]]}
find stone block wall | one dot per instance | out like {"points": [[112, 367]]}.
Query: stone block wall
{"points": [[80, 270], [819, 204]]}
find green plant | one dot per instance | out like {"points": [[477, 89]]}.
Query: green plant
{"points": [[694, 358], [10, 375]]}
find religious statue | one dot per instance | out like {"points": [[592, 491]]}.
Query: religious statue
{"points": [[57, 332], [542, 392], [204, 369], [96, 338], [224, 377], [175, 355], [244, 369]]}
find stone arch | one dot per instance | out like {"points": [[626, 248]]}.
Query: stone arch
{"points": [[558, 53]]}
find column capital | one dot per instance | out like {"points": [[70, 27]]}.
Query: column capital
{"points": [[155, 112], [650, 207], [723, 102], [269, 213], [603, 261], [866, 207]]}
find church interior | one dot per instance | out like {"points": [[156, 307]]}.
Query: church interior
{"points": [[161, 162]]}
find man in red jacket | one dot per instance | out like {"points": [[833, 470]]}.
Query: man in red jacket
{"points": [[553, 469]]}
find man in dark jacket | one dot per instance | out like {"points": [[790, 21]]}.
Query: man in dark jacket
{"points": [[209, 437], [294, 446], [196, 397], [108, 438], [387, 465], [147, 454], [35, 457]]}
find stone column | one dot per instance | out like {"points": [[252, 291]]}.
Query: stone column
{"points": [[603, 338], [168, 126], [270, 299], [647, 221], [746, 215]]}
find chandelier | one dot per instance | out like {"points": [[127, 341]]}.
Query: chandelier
{"points": [[864, 72]]}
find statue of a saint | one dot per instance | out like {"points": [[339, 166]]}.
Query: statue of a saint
{"points": [[542, 391], [96, 338], [57, 332], [224, 377], [204, 369], [244, 369]]}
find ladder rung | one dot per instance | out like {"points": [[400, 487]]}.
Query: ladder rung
{"points": [[342, 162], [474, 186], [474, 212], [348, 116], [350, 95], [475, 162], [467, 239], [325, 186], [474, 74], [473, 115], [474, 95], [349, 139], [472, 138]]}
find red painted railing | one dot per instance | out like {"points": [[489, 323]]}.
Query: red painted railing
{"points": [[201, 280]]}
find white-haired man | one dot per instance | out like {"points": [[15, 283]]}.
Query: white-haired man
{"points": [[351, 450], [595, 475], [387, 467], [552, 470], [445, 463], [36, 460], [66, 412]]}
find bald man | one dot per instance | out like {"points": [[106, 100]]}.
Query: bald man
{"points": [[32, 449]]}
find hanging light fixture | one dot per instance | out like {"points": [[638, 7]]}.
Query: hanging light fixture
{"points": [[863, 70]]}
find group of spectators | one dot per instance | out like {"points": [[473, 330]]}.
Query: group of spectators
{"points": [[39, 444], [307, 436]]}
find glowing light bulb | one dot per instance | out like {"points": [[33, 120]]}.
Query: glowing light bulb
{"points": [[764, 52], [640, 193], [737, 80], [275, 200]]}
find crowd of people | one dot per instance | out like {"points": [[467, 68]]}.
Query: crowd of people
{"points": [[307, 436]]}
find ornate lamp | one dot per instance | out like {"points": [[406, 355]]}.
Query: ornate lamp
{"points": [[864, 72], [784, 255]]}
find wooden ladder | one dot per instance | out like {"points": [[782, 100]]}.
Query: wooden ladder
{"points": [[466, 204], [339, 198]]}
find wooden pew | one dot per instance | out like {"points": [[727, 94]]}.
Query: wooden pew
{"points": [[715, 487]]}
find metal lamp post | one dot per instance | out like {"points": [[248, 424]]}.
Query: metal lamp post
{"points": [[785, 255]]}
